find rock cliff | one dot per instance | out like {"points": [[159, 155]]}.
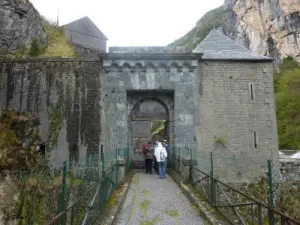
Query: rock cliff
{"points": [[20, 24], [267, 27]]}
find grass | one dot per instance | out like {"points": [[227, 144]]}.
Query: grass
{"points": [[145, 192], [57, 44], [113, 200], [172, 212], [144, 205], [155, 220]]}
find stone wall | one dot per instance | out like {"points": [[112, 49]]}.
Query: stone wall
{"points": [[238, 125], [87, 52], [67, 96], [151, 76], [290, 169]]}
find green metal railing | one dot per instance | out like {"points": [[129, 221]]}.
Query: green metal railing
{"points": [[235, 205], [68, 194]]}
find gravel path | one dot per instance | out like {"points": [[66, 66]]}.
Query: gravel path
{"points": [[154, 201]]}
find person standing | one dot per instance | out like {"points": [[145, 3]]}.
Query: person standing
{"points": [[166, 146], [149, 159], [161, 155], [145, 150]]}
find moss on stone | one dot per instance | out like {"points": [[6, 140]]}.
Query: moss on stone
{"points": [[153, 221], [172, 212], [144, 205], [56, 120], [113, 200], [145, 192]]}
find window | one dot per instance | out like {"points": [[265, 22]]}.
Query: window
{"points": [[252, 91], [255, 139]]}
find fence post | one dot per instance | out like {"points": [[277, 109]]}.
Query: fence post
{"points": [[211, 179], [63, 193], [190, 166], [117, 166], [102, 161], [270, 199]]}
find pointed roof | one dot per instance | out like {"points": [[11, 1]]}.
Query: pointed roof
{"points": [[85, 33], [217, 46]]}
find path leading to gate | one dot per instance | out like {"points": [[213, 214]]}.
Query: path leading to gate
{"points": [[154, 201]]}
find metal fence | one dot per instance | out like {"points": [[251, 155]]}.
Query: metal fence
{"points": [[258, 202], [66, 194]]}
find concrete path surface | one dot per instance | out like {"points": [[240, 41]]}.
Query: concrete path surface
{"points": [[154, 201]]}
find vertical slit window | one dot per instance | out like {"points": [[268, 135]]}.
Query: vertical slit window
{"points": [[255, 139], [252, 91]]}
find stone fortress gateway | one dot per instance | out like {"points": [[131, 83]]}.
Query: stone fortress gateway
{"points": [[220, 91]]}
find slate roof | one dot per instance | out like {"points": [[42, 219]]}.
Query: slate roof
{"points": [[216, 46], [84, 32]]}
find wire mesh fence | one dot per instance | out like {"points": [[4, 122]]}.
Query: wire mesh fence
{"points": [[244, 190], [64, 194]]}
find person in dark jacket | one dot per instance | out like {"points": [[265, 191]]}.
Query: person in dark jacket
{"points": [[149, 158]]}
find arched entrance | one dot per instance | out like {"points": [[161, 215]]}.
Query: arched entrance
{"points": [[149, 121]]}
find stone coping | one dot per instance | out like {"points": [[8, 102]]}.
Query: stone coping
{"points": [[151, 56]]}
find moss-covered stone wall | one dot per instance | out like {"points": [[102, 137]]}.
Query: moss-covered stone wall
{"points": [[66, 95]]}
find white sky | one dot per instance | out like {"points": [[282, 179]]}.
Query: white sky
{"points": [[132, 22]]}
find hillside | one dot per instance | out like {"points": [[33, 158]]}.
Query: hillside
{"points": [[268, 29], [210, 20], [287, 95], [25, 33]]}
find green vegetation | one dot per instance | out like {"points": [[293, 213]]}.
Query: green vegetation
{"points": [[56, 120], [145, 192], [287, 95], [287, 196], [113, 200], [35, 49], [172, 213], [17, 128], [57, 43], [220, 140], [155, 220], [144, 205], [210, 20]]}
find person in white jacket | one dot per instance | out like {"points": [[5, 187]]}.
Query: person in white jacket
{"points": [[161, 156]]}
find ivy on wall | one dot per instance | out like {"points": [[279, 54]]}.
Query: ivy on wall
{"points": [[56, 120]]}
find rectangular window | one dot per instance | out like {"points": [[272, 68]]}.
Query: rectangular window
{"points": [[252, 91], [255, 139]]}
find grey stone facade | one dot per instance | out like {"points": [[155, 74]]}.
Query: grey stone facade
{"points": [[215, 102], [150, 76], [245, 122]]}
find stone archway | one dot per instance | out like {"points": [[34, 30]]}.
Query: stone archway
{"points": [[143, 109]]}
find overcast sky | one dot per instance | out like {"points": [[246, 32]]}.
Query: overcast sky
{"points": [[132, 22]]}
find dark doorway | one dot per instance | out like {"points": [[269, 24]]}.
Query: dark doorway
{"points": [[149, 120]]}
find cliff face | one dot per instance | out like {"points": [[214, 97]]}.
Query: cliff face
{"points": [[270, 27], [20, 24], [267, 27]]}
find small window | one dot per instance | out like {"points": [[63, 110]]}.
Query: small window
{"points": [[255, 139], [252, 92]]}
